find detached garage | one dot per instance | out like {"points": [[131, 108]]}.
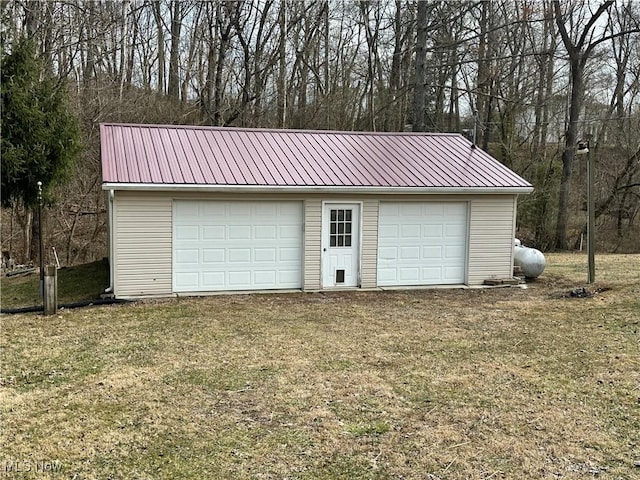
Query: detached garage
{"points": [[197, 210]]}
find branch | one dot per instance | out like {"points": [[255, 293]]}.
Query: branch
{"points": [[627, 187], [593, 45], [562, 29], [604, 7]]}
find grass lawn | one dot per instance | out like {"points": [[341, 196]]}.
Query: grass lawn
{"points": [[504, 383], [81, 282]]}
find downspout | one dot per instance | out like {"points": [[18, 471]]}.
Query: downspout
{"points": [[513, 233], [111, 241]]}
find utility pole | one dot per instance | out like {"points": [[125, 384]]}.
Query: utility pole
{"points": [[591, 229], [584, 147]]}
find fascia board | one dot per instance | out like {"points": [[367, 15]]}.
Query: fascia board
{"points": [[167, 187]]}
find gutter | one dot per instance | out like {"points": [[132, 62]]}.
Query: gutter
{"points": [[323, 189]]}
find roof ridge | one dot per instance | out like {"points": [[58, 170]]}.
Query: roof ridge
{"points": [[274, 130]]}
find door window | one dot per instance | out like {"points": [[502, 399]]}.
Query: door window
{"points": [[340, 227]]}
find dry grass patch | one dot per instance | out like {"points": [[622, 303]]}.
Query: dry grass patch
{"points": [[455, 384]]}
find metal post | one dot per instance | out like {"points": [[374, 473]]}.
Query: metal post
{"points": [[40, 232], [591, 233]]}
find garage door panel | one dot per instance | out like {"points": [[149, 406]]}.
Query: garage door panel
{"points": [[387, 254], [239, 245], [185, 209], [432, 273], [240, 278], [409, 274], [266, 209], [410, 231], [190, 257], [386, 275], [388, 231], [288, 232], [215, 232], [422, 243], [289, 254], [410, 210], [268, 255], [432, 253], [454, 208], [389, 209], [238, 209], [210, 209], [187, 232], [434, 210], [239, 232], [455, 231], [213, 255], [410, 253], [239, 255], [213, 280], [432, 231], [189, 280], [265, 278], [289, 277], [290, 209], [454, 252], [265, 232], [453, 273]]}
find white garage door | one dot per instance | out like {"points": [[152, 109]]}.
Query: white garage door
{"points": [[236, 245], [422, 243]]}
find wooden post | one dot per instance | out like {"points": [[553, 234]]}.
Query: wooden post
{"points": [[50, 290]]}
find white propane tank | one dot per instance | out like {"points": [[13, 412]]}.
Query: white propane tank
{"points": [[530, 260]]}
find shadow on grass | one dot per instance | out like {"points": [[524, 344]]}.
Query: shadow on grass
{"points": [[75, 284]]}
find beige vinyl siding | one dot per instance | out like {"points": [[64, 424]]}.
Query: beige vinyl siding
{"points": [[143, 244], [491, 231], [312, 244], [369, 257], [142, 264]]}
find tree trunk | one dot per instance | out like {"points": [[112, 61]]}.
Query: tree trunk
{"points": [[281, 86], [157, 14], [27, 226], [173, 88], [34, 250], [419, 87], [122, 71], [571, 138], [89, 65], [482, 82]]}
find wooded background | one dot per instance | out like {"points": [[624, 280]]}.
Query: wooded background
{"points": [[537, 75]]}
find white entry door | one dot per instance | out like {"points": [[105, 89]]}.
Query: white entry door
{"points": [[340, 245]]}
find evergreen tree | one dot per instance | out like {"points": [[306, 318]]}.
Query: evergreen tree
{"points": [[40, 134]]}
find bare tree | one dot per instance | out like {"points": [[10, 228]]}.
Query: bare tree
{"points": [[580, 45]]}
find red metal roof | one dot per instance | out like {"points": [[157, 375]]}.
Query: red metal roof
{"points": [[219, 156]]}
